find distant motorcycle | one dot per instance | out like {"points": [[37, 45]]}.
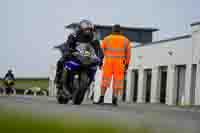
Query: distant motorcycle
{"points": [[9, 86], [78, 74]]}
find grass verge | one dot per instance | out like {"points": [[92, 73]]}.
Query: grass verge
{"points": [[22, 84], [23, 122]]}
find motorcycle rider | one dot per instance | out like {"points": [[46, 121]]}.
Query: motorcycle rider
{"points": [[85, 33], [9, 76]]}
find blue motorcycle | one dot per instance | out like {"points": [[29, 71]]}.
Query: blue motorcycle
{"points": [[78, 73]]}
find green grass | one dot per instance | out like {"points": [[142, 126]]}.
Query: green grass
{"points": [[21, 122], [29, 83]]}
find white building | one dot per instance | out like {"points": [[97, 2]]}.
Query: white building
{"points": [[166, 71]]}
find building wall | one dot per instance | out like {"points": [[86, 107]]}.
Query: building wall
{"points": [[159, 54], [196, 59], [196, 43], [175, 54], [181, 56]]}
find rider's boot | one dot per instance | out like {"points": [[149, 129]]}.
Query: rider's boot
{"points": [[58, 80]]}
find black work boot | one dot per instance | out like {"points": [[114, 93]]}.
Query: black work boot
{"points": [[100, 101], [59, 71], [114, 101], [58, 77]]}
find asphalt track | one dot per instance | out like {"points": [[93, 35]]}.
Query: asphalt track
{"points": [[157, 116]]}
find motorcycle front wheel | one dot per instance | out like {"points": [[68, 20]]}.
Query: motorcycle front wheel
{"points": [[80, 86]]}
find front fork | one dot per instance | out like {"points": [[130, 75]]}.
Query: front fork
{"points": [[65, 87]]}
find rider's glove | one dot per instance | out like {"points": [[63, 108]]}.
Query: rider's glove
{"points": [[100, 65]]}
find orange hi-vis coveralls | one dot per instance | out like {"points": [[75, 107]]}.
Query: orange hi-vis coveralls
{"points": [[117, 52]]}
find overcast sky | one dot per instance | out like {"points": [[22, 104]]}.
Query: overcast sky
{"points": [[29, 28]]}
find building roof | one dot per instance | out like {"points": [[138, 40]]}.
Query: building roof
{"points": [[195, 23], [140, 35], [98, 26], [165, 40]]}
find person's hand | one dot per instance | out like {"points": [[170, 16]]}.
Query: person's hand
{"points": [[100, 65]]}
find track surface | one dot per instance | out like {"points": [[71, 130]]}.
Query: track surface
{"points": [[151, 115]]}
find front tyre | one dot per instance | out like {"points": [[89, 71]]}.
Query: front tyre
{"points": [[80, 86]]}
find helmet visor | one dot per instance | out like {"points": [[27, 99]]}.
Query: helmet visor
{"points": [[86, 25]]}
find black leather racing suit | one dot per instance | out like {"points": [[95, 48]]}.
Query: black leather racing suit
{"points": [[8, 76], [71, 44]]}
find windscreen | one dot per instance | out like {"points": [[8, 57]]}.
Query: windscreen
{"points": [[85, 49]]}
